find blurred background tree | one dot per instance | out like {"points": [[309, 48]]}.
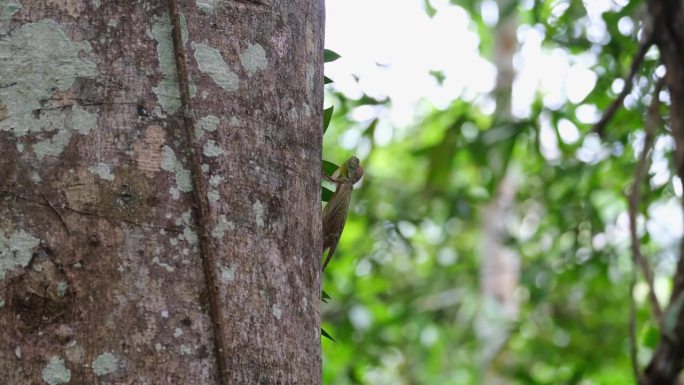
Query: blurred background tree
{"points": [[489, 241]]}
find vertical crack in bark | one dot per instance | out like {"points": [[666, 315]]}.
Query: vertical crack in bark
{"points": [[201, 203]]}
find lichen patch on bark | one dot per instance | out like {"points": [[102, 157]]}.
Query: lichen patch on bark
{"points": [[258, 210], [207, 123], [55, 373], [42, 62], [169, 162], [206, 5], [215, 180], [253, 58], [105, 363], [102, 170], [214, 196], [167, 90], [7, 9], [221, 227], [227, 273], [277, 311], [16, 250], [210, 61], [211, 150]]}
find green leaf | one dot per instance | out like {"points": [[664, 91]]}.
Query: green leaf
{"points": [[327, 114], [370, 130], [326, 194], [329, 167], [329, 56], [325, 296], [369, 100], [650, 337], [326, 335], [429, 9], [439, 76], [327, 80]]}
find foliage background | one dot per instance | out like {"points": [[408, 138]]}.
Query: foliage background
{"points": [[405, 280]]}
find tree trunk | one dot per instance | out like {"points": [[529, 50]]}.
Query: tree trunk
{"points": [[160, 191], [499, 265], [667, 23]]}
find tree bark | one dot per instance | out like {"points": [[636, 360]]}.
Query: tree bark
{"points": [[499, 265], [667, 23], [160, 191]]}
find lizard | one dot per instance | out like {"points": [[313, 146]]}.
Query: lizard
{"points": [[335, 212]]}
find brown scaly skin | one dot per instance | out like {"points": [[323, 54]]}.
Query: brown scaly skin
{"points": [[335, 212]]}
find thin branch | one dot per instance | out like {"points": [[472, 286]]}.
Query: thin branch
{"points": [[634, 198], [600, 126], [632, 327], [639, 261], [201, 206]]}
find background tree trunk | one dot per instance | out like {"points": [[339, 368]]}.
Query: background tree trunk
{"points": [[147, 238], [500, 265], [668, 32]]}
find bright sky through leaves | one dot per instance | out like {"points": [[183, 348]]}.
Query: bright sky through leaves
{"points": [[393, 52]]}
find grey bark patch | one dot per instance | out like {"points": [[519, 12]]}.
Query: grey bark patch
{"points": [[6, 11], [55, 372], [169, 162], [211, 149], [210, 61], [167, 90], [221, 227], [52, 146], [105, 363], [38, 60], [207, 123], [103, 171], [253, 58], [16, 251], [207, 5]]}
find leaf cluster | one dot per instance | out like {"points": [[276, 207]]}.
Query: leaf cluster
{"points": [[407, 303]]}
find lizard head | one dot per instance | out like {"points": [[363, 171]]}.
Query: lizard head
{"points": [[350, 170], [354, 169]]}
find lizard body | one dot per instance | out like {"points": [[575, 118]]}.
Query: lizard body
{"points": [[335, 212]]}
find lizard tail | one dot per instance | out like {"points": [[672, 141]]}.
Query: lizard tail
{"points": [[328, 257]]}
